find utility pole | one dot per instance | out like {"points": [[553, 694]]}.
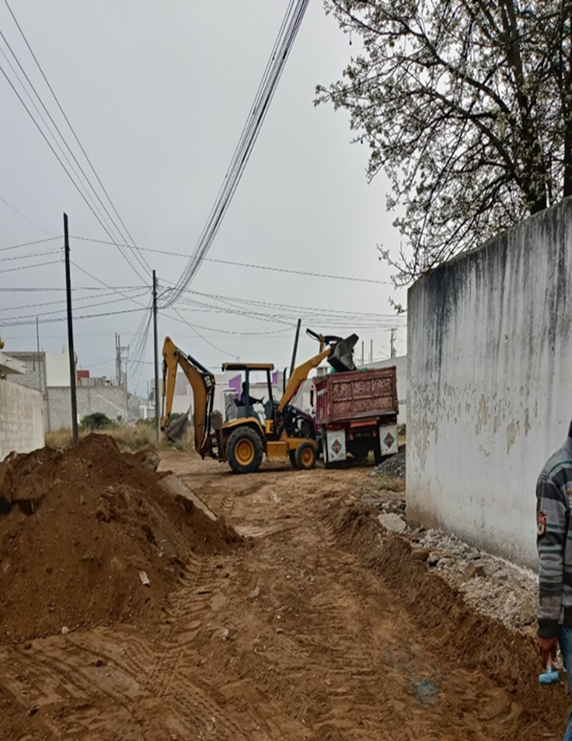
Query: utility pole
{"points": [[295, 350], [392, 343], [38, 354], [156, 353], [117, 359], [362, 352], [70, 332], [371, 352]]}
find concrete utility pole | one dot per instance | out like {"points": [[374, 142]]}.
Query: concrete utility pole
{"points": [[156, 353], [38, 354], [392, 343], [70, 332]]}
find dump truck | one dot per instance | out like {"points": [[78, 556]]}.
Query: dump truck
{"points": [[356, 412]]}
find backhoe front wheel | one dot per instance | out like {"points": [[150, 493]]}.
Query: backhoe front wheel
{"points": [[244, 450], [305, 456]]}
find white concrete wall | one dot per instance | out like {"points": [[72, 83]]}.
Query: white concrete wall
{"points": [[490, 383], [400, 364], [21, 419], [58, 368]]}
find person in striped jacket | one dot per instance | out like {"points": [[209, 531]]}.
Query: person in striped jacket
{"points": [[554, 542]]}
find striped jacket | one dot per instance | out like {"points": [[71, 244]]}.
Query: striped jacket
{"points": [[554, 541]]}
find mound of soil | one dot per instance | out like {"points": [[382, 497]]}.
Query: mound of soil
{"points": [[76, 530]]}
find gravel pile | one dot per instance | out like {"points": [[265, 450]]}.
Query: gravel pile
{"points": [[393, 467]]}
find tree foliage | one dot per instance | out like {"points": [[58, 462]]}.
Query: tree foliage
{"points": [[467, 107], [96, 421]]}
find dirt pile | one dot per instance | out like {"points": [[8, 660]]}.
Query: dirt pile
{"points": [[76, 531]]}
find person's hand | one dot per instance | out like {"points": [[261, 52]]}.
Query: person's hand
{"points": [[547, 649]]}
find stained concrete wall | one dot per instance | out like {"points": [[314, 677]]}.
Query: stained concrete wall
{"points": [[21, 419], [490, 383]]}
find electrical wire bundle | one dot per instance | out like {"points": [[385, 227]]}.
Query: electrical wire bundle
{"points": [[274, 68]]}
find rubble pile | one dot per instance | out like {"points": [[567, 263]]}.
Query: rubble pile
{"points": [[393, 467], [90, 537], [493, 586]]}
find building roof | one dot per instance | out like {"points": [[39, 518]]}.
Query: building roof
{"points": [[11, 365]]}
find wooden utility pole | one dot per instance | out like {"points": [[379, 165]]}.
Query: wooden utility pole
{"points": [[70, 332], [392, 342], [156, 354]]}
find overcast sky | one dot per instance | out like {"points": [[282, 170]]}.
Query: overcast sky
{"points": [[158, 93]]}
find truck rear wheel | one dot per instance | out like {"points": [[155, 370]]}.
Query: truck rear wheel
{"points": [[244, 450], [305, 456]]}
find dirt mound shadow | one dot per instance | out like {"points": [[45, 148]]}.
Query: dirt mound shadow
{"points": [[449, 626]]}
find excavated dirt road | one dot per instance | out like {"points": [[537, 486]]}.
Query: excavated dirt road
{"points": [[319, 629]]}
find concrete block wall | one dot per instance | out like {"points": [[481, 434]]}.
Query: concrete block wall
{"points": [[21, 419], [490, 383], [109, 400]]}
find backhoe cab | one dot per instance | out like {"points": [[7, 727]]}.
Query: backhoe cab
{"points": [[272, 429]]}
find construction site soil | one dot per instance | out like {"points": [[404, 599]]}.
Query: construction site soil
{"points": [[314, 622], [80, 527]]}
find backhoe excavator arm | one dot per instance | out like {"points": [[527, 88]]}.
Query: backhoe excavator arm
{"points": [[339, 355], [203, 384], [299, 376]]}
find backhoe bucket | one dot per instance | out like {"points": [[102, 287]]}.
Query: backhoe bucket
{"points": [[177, 430], [342, 356]]}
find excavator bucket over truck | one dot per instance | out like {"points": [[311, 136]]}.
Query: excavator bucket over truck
{"points": [[244, 441]]}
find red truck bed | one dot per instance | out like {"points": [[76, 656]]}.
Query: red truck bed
{"points": [[357, 395]]}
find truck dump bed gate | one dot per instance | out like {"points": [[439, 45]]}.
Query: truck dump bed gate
{"points": [[343, 397]]}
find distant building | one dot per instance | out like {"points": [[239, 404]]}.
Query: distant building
{"points": [[400, 364], [49, 373]]}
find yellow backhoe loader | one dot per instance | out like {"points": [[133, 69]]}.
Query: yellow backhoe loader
{"points": [[278, 433]]}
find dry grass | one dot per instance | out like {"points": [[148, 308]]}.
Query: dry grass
{"points": [[134, 437], [389, 484]]}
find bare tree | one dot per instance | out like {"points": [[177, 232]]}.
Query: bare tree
{"points": [[467, 106]]}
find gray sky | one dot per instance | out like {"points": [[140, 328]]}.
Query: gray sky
{"points": [[158, 93]]}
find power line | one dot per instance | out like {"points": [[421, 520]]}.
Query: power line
{"points": [[35, 241], [75, 135], [85, 196], [51, 289], [97, 280], [252, 265], [27, 267], [58, 302], [32, 255], [267, 88], [76, 186], [26, 218], [59, 311], [76, 318]]}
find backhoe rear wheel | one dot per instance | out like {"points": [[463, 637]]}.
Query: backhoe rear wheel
{"points": [[305, 456], [244, 450]]}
